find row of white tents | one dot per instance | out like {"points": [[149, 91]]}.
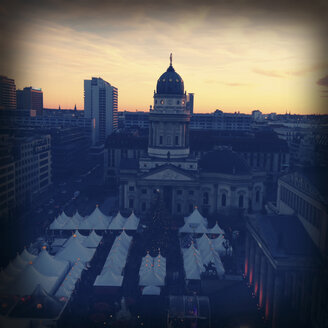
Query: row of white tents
{"points": [[95, 221], [207, 251], [112, 273], [27, 271], [196, 223], [152, 274]]}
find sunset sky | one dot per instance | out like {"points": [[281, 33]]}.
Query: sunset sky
{"points": [[233, 58]]}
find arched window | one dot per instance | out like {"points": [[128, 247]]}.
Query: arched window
{"points": [[241, 201], [257, 196], [205, 198], [224, 200]]}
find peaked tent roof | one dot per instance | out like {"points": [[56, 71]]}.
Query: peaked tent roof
{"points": [[76, 252], [216, 230], [132, 222], [56, 225], [109, 278], [27, 256], [117, 222], [19, 262], [99, 220], [92, 241], [186, 228], [195, 218], [29, 279], [49, 266]]}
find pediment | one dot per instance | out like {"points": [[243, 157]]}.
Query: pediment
{"points": [[168, 174]]}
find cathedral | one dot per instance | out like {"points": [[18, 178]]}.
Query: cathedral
{"points": [[220, 179]]}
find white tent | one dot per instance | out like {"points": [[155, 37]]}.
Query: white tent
{"points": [[186, 229], [49, 266], [92, 241], [56, 225], [71, 224], [12, 271], [132, 222], [150, 278], [19, 262], [108, 278], [28, 281], [117, 222], [151, 290], [27, 256], [62, 218], [76, 235], [98, 220], [195, 219], [75, 252], [63, 292], [216, 230], [218, 245], [85, 224], [78, 217], [200, 229]]}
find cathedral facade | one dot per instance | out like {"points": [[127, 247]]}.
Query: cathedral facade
{"points": [[220, 179]]}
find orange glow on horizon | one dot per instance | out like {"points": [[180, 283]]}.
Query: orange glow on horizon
{"points": [[230, 62]]}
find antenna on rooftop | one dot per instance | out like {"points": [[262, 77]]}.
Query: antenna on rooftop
{"points": [[171, 59]]}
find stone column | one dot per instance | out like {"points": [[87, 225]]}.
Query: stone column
{"points": [[263, 276], [269, 288], [256, 270], [251, 262], [247, 250], [277, 298]]}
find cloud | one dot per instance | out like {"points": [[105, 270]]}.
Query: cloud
{"points": [[269, 73], [236, 84], [323, 81]]}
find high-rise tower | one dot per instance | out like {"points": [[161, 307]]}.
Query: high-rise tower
{"points": [[100, 104], [169, 119]]}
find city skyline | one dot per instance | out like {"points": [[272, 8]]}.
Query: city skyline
{"points": [[231, 60]]}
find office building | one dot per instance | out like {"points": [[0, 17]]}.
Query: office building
{"points": [[100, 105], [31, 99], [7, 93]]}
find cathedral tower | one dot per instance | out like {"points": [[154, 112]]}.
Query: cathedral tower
{"points": [[169, 119]]}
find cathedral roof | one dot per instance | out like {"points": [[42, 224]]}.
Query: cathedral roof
{"points": [[224, 161], [170, 82]]}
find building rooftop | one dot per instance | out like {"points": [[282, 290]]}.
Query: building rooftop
{"points": [[224, 161], [284, 236]]}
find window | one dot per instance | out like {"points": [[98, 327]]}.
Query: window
{"points": [[131, 203], [223, 200], [179, 208], [205, 198], [160, 140], [144, 191], [131, 188], [178, 102], [257, 196], [176, 140], [241, 201]]}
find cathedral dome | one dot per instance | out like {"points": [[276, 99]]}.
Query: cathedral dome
{"points": [[170, 83]]}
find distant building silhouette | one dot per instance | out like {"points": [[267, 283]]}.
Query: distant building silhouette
{"points": [[100, 104], [7, 93], [31, 99]]}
